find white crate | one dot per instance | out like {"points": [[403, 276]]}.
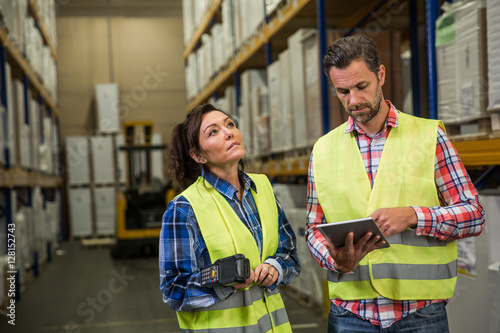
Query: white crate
{"points": [[2, 140], [3, 225], [107, 100], [102, 159], [25, 147], [80, 212], [34, 112], [228, 29], [40, 223], [297, 79], [273, 86], [250, 79], [11, 139], [23, 255], [4, 298], [105, 205], [53, 216], [286, 107], [77, 160], [157, 169], [312, 75], [188, 20], [45, 149], [218, 46], [260, 112], [120, 159]]}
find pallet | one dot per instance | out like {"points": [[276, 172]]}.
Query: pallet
{"points": [[473, 129], [97, 243]]}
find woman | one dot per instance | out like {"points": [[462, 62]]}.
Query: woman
{"points": [[224, 211]]}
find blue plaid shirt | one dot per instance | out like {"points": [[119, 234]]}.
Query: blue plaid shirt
{"points": [[183, 252]]}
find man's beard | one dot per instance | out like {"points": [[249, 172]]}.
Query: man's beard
{"points": [[372, 112]]}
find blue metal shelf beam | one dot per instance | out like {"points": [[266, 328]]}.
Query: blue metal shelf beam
{"points": [[325, 107], [431, 14]]}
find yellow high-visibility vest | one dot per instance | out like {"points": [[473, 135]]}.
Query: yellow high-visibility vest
{"points": [[413, 267], [253, 309]]}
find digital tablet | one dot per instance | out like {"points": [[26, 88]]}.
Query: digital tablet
{"points": [[337, 232]]}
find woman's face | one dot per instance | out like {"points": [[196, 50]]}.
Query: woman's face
{"points": [[220, 141]]}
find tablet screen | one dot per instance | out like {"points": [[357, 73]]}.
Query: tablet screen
{"points": [[337, 232]]}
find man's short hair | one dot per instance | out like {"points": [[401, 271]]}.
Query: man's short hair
{"points": [[345, 50]]}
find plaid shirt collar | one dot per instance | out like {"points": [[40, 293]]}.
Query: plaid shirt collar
{"points": [[225, 188], [391, 121]]}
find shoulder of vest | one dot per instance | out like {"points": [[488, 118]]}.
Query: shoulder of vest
{"points": [[403, 115], [339, 129], [259, 178], [193, 191]]}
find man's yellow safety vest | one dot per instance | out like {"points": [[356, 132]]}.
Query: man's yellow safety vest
{"points": [[254, 309], [413, 267]]}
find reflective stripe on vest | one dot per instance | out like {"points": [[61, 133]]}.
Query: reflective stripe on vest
{"points": [[253, 309], [414, 267]]}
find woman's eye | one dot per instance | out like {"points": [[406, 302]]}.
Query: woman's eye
{"points": [[230, 124], [212, 132]]}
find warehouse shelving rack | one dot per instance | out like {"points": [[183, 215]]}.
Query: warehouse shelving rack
{"points": [[13, 177], [474, 152]]}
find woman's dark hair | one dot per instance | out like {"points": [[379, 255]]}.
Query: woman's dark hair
{"points": [[185, 138], [345, 50]]}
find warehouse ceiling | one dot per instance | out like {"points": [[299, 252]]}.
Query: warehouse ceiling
{"points": [[135, 8]]}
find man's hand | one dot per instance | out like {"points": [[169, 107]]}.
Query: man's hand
{"points": [[348, 256], [393, 221]]}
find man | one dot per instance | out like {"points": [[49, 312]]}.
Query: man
{"points": [[402, 171]]}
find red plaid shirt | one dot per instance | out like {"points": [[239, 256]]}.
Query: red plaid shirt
{"points": [[462, 216]]}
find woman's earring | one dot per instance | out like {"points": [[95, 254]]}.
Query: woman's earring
{"points": [[203, 160]]}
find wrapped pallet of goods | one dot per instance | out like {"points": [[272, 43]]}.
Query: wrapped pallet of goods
{"points": [[461, 54], [493, 38]]}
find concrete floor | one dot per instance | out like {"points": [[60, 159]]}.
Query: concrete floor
{"points": [[86, 291]]}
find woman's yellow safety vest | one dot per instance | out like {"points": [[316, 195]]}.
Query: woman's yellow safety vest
{"points": [[413, 267], [254, 309]]}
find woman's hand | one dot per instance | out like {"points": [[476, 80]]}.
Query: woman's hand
{"points": [[265, 275], [247, 283]]}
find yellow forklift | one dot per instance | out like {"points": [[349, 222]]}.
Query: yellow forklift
{"points": [[141, 205]]}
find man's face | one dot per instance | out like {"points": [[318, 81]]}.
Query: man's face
{"points": [[359, 90]]}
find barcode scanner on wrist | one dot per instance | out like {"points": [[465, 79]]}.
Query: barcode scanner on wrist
{"points": [[226, 271]]}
